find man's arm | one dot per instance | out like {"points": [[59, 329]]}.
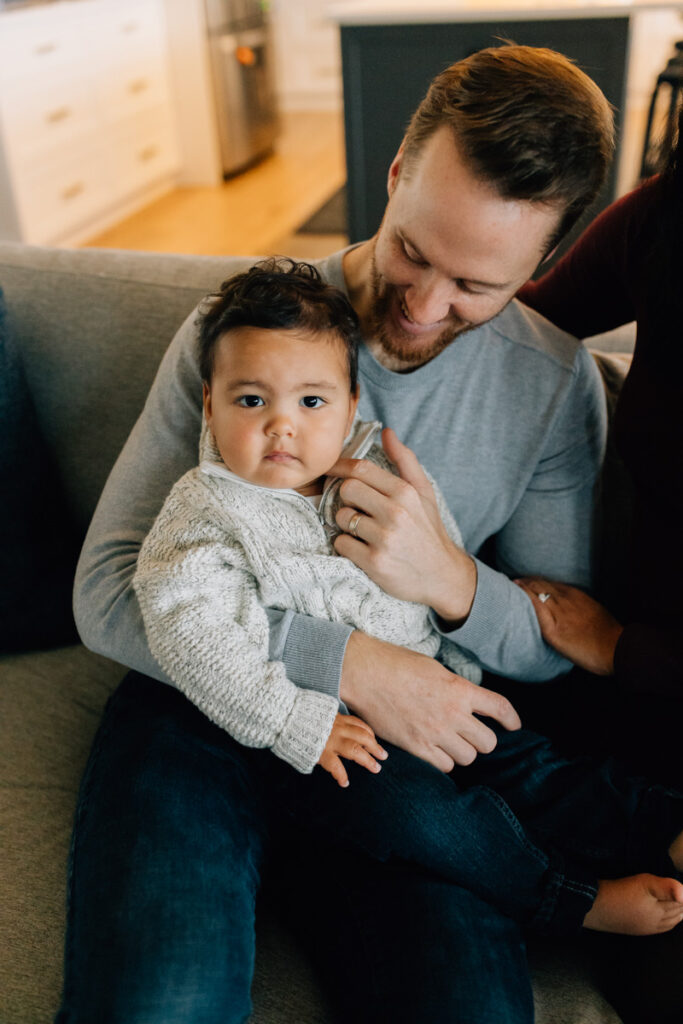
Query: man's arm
{"points": [[402, 545], [405, 696]]}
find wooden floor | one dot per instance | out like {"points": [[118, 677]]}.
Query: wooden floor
{"points": [[257, 212]]}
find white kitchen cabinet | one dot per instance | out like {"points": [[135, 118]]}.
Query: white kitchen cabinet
{"points": [[308, 55], [86, 122]]}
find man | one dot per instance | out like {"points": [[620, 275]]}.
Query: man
{"points": [[502, 156]]}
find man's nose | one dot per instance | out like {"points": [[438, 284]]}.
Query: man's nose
{"points": [[428, 300]]}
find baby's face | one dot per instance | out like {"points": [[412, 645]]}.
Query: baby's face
{"points": [[279, 406]]}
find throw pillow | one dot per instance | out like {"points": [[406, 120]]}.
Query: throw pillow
{"points": [[38, 544]]}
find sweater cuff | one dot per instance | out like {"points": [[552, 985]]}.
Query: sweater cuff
{"points": [[313, 653], [489, 608], [502, 631], [306, 730]]}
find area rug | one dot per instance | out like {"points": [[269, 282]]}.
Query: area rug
{"points": [[330, 219]]}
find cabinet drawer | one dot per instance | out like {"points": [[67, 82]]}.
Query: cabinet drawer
{"points": [[145, 151], [137, 86], [134, 27], [38, 120], [60, 195], [43, 41]]}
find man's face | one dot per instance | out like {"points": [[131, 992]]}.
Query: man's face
{"points": [[449, 255]]}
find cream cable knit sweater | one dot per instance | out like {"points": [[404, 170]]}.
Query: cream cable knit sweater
{"points": [[219, 553]]}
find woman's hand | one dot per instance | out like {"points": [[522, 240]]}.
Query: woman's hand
{"points": [[574, 624], [394, 533]]}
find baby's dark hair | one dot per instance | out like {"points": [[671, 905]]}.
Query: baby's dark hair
{"points": [[278, 293]]}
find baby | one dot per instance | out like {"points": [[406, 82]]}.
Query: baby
{"points": [[243, 531], [250, 528]]}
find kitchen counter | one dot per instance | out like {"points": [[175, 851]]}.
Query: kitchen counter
{"points": [[408, 12]]}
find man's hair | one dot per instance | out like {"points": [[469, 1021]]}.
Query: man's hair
{"points": [[527, 120], [278, 294]]}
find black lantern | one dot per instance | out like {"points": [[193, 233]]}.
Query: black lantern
{"points": [[663, 116]]}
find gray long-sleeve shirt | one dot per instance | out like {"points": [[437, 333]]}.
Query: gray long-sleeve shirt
{"points": [[509, 419]]}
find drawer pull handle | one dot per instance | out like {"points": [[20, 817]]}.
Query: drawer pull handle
{"points": [[138, 85], [73, 191], [130, 26], [148, 153], [60, 114], [44, 49]]}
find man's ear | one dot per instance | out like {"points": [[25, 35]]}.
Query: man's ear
{"points": [[395, 170], [206, 399]]}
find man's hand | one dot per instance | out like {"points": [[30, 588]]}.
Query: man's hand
{"points": [[574, 624], [398, 538], [353, 739], [414, 702]]}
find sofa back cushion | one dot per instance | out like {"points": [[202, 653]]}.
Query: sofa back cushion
{"points": [[91, 327], [81, 335]]}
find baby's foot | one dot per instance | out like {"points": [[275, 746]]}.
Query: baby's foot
{"points": [[639, 905]]}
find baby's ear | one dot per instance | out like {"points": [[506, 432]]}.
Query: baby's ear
{"points": [[353, 407], [206, 399]]}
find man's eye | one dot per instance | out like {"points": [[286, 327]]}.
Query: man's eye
{"points": [[467, 288], [312, 401], [411, 255], [250, 401]]}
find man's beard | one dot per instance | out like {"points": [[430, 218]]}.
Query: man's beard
{"points": [[399, 346]]}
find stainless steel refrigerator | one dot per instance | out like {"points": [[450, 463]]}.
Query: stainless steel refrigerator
{"points": [[241, 57]]}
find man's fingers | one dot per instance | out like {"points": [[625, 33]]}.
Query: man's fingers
{"points": [[369, 472], [479, 736], [358, 524], [462, 752], [440, 759], [494, 705], [405, 460]]}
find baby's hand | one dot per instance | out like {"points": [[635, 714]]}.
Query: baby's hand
{"points": [[353, 739]]}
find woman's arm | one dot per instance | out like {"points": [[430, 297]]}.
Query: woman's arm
{"points": [[645, 658], [594, 287]]}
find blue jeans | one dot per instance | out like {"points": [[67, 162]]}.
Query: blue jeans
{"points": [[171, 832], [524, 829], [175, 819]]}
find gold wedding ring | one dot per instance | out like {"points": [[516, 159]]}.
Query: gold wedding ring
{"points": [[353, 524]]}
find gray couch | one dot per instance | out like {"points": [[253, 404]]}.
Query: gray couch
{"points": [[84, 333]]}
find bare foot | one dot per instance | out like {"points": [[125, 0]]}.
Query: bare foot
{"points": [[676, 852], [639, 905]]}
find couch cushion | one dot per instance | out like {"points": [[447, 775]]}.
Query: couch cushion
{"points": [[39, 547], [50, 705]]}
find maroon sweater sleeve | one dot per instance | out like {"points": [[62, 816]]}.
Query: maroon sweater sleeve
{"points": [[593, 287], [596, 286], [649, 659]]}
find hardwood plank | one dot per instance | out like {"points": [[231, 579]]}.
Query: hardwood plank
{"points": [[254, 213]]}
